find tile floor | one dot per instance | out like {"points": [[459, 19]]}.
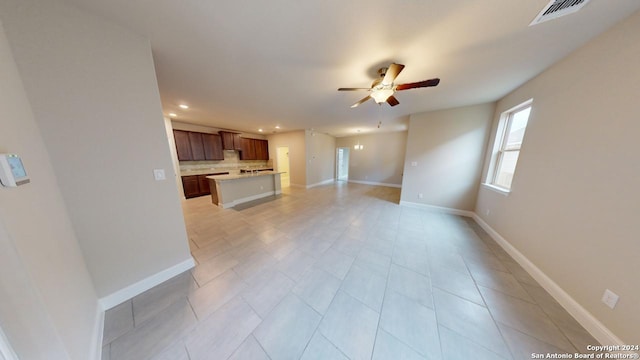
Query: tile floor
{"points": [[340, 272]]}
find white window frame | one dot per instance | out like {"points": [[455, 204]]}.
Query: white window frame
{"points": [[499, 147]]}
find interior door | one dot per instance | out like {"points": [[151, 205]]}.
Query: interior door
{"points": [[282, 154]]}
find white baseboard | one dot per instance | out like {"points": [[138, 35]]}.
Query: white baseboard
{"points": [[375, 183], [597, 329], [98, 334], [324, 182], [437, 208], [143, 285], [298, 186], [247, 199]]}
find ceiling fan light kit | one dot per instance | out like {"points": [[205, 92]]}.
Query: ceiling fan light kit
{"points": [[383, 88], [381, 95], [358, 146]]}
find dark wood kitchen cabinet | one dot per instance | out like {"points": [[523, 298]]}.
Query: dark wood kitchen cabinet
{"points": [[191, 186], [230, 140], [197, 146], [212, 147], [254, 149], [183, 145], [262, 149], [197, 185], [247, 149], [203, 184], [194, 146]]}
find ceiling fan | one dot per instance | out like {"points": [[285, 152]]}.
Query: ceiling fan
{"points": [[383, 88]]}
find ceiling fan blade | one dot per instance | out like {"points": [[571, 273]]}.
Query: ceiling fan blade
{"points": [[352, 89], [419, 84], [361, 101], [391, 100], [392, 72]]}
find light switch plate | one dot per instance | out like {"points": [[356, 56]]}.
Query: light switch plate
{"points": [[610, 298], [159, 174]]}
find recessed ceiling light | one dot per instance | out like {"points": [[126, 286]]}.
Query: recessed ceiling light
{"points": [[277, 127], [172, 114], [260, 130], [183, 106]]}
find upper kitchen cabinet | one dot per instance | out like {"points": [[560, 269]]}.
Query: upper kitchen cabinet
{"points": [[212, 147], [193, 146], [254, 149], [262, 149], [247, 149], [230, 140], [197, 146], [183, 145]]}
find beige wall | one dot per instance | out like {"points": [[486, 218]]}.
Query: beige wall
{"points": [[573, 210], [321, 158], [94, 95], [295, 140], [448, 149], [48, 307], [382, 159]]}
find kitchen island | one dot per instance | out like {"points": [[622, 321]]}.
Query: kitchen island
{"points": [[233, 189]]}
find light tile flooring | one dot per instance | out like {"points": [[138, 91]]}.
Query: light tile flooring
{"points": [[340, 272]]}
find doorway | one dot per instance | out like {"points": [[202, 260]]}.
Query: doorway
{"points": [[342, 164], [282, 157]]}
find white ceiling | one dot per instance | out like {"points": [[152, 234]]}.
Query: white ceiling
{"points": [[246, 65]]}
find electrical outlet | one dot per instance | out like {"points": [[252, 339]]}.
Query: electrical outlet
{"points": [[610, 298], [420, 196], [414, 163]]}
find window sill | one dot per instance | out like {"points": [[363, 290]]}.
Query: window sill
{"points": [[499, 190]]}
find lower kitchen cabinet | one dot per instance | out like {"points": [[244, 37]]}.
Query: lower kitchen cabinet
{"points": [[203, 184], [191, 186], [197, 185]]}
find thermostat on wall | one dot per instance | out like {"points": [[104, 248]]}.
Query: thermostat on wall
{"points": [[12, 172]]}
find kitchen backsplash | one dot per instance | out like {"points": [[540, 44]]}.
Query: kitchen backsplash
{"points": [[231, 162]]}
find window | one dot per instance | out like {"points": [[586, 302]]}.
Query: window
{"points": [[513, 124]]}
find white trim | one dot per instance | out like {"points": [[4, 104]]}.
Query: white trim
{"points": [[375, 183], [98, 334], [324, 182], [247, 199], [437, 208], [143, 285], [497, 189], [296, 185], [597, 329], [6, 351]]}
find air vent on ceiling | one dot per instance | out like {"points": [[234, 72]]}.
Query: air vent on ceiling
{"points": [[558, 8]]}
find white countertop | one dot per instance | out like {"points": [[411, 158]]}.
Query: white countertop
{"points": [[241, 176]]}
